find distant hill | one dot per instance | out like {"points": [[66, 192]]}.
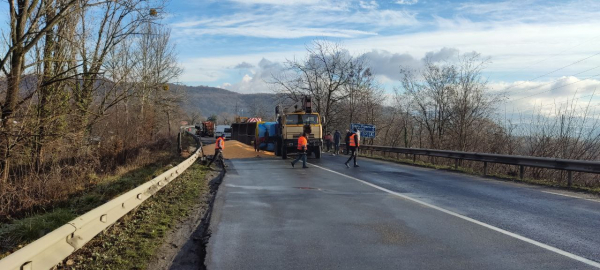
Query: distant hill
{"points": [[211, 100]]}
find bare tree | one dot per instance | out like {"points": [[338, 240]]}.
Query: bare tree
{"points": [[336, 81], [322, 75], [102, 28], [430, 92], [156, 66], [30, 20], [470, 102], [68, 69]]}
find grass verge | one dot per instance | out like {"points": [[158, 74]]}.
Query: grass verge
{"points": [[133, 241], [501, 177], [20, 232]]}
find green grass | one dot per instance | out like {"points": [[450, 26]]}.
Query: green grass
{"points": [[20, 232], [502, 177], [133, 241]]}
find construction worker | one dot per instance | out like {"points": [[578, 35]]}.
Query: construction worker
{"points": [[347, 140], [302, 146], [337, 136], [219, 146], [353, 145]]}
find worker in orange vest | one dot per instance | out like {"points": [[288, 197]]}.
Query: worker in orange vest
{"points": [[302, 146], [353, 145], [219, 146]]}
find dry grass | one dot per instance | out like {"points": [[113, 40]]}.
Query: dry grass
{"points": [[581, 181], [40, 192], [132, 241], [32, 225]]}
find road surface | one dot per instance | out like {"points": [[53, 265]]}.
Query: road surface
{"points": [[385, 215]]}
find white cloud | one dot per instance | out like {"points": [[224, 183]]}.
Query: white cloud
{"points": [[533, 11], [277, 2], [384, 65], [511, 47], [197, 72], [442, 55], [368, 4], [276, 32], [407, 2], [246, 78], [520, 37], [387, 65], [549, 96], [325, 19], [243, 65], [259, 81], [191, 23]]}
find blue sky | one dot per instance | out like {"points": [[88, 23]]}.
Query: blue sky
{"points": [[236, 44], [541, 52]]}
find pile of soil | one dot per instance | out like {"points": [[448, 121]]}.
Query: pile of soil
{"points": [[237, 150]]}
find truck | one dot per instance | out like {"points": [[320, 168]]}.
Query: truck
{"points": [[208, 129], [291, 125], [223, 130], [198, 128]]}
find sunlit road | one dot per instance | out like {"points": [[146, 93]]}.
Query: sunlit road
{"points": [[382, 215]]}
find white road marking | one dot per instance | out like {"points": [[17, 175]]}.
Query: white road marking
{"points": [[570, 196], [514, 235]]}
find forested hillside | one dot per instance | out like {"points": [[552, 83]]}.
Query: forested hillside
{"points": [[226, 104]]}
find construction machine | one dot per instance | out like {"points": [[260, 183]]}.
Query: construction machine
{"points": [[291, 125]]}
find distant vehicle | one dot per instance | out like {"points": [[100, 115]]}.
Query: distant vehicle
{"points": [[198, 129], [223, 129], [208, 129]]}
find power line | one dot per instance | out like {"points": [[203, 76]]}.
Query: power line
{"points": [[554, 81], [565, 85], [556, 104], [551, 56], [551, 82], [558, 69]]}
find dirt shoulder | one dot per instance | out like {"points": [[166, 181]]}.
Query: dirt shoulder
{"points": [[140, 236], [184, 246], [169, 230]]}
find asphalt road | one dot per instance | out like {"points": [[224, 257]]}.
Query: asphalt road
{"points": [[270, 216]]}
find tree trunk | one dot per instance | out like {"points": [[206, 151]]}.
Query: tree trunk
{"points": [[44, 109], [14, 81]]}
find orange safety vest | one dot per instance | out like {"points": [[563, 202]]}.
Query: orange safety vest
{"points": [[353, 141], [220, 144], [302, 143]]}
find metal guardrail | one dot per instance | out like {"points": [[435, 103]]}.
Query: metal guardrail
{"points": [[57, 245], [569, 165]]}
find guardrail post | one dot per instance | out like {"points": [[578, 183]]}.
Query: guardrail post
{"points": [[456, 164], [414, 158], [521, 171], [569, 178], [485, 168], [398, 156]]}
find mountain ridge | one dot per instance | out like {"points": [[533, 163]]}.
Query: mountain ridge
{"points": [[227, 104]]}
